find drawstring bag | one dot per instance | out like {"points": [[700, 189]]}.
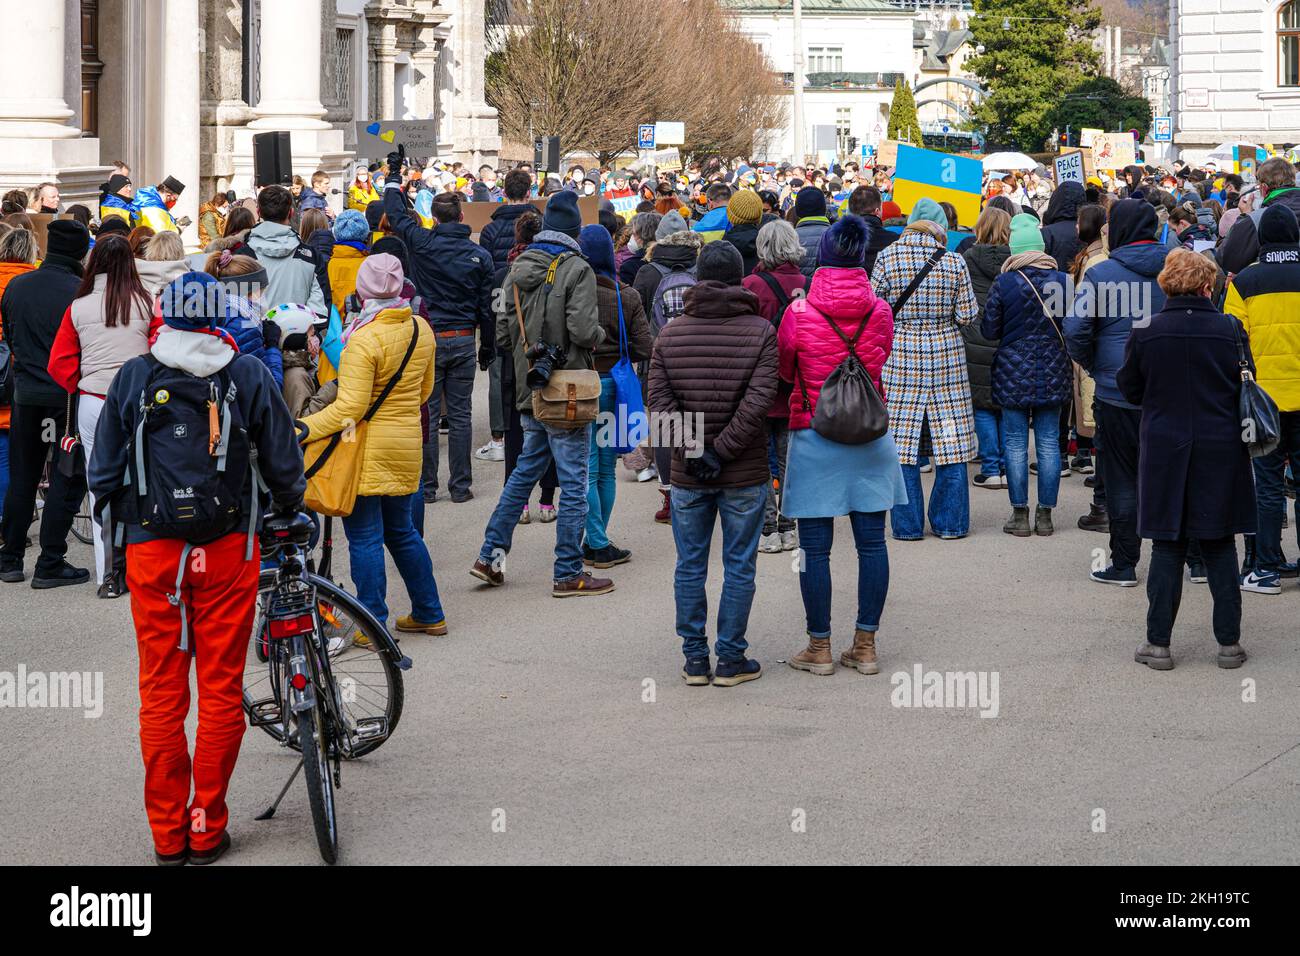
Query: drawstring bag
{"points": [[849, 409], [632, 426]]}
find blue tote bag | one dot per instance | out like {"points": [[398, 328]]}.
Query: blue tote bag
{"points": [[631, 425]]}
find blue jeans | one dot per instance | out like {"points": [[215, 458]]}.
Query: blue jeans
{"points": [[815, 538], [385, 520], [695, 511], [1270, 493], [601, 463], [988, 432], [949, 504], [1047, 445], [544, 444]]}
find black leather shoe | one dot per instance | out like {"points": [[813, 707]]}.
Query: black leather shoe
{"points": [[63, 575], [204, 857]]}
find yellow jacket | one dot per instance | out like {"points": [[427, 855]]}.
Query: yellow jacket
{"points": [[359, 198], [1266, 298], [342, 271], [392, 454]]}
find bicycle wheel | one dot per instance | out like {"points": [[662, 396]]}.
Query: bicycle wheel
{"points": [[371, 694], [83, 529], [313, 739]]}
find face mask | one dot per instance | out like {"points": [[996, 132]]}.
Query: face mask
{"points": [[170, 202], [633, 245], [363, 177]]}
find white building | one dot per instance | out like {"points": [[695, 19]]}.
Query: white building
{"points": [[1235, 73], [853, 52], [179, 87]]}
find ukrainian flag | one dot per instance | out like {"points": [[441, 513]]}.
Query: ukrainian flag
{"points": [[925, 173]]}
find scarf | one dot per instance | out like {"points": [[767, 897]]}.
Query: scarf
{"points": [[370, 309], [1029, 260], [931, 229]]}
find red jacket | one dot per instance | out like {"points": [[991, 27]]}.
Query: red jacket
{"points": [[792, 280], [843, 296]]}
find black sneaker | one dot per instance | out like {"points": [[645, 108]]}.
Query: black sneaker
{"points": [[982, 480], [62, 575], [730, 673], [114, 586], [1082, 464], [1196, 573], [1113, 575], [697, 672], [204, 857], [12, 573], [605, 557], [1090, 481], [1287, 569]]}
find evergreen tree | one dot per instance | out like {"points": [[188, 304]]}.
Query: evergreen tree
{"points": [[903, 124], [1101, 103], [1034, 51]]}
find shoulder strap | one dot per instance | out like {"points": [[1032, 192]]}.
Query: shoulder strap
{"points": [[778, 290], [519, 314], [1046, 312], [918, 279], [392, 382]]}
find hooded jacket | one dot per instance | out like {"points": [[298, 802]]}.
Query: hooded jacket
{"points": [[718, 360], [792, 281], [878, 239], [745, 239], [1060, 224], [809, 348], [984, 262], [713, 224], [452, 274], [290, 267], [564, 313], [1031, 367], [245, 324], [32, 310], [809, 231], [154, 275], [87, 353], [1266, 298], [212, 223], [1115, 293], [498, 236], [8, 271], [270, 429], [1242, 245], [321, 244]]}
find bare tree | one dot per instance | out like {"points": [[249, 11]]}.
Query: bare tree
{"points": [[590, 72]]}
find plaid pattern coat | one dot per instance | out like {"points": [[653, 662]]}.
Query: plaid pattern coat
{"points": [[925, 376]]}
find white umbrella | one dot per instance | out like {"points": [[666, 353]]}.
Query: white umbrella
{"points": [[1224, 150], [1017, 161]]}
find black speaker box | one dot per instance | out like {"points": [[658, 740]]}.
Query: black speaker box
{"points": [[272, 159], [546, 154]]}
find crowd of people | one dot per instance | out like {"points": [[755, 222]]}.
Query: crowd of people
{"points": [[816, 348]]}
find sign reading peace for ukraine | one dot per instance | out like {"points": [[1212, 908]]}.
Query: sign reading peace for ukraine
{"points": [[925, 173], [375, 140]]}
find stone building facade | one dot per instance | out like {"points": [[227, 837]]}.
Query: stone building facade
{"points": [[180, 87]]}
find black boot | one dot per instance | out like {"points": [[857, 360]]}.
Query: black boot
{"points": [[1095, 520]]}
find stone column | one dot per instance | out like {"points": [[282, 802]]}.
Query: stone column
{"points": [[290, 39], [182, 58], [383, 48], [476, 133], [36, 141]]}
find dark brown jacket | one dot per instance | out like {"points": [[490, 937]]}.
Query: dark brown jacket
{"points": [[639, 340], [718, 360]]}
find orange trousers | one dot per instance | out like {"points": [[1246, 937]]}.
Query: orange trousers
{"points": [[220, 593]]}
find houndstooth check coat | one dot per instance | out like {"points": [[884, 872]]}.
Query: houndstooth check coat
{"points": [[925, 376]]}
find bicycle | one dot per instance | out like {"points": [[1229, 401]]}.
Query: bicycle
{"points": [[317, 643]]}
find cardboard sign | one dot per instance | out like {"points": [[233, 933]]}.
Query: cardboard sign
{"points": [[943, 177], [1113, 150], [887, 153], [1086, 134], [1069, 168], [667, 160], [40, 227], [476, 215], [376, 139], [626, 206], [669, 134]]}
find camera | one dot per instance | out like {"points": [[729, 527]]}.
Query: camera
{"points": [[542, 359]]}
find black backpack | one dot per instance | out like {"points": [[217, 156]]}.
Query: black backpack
{"points": [[849, 409], [190, 457]]}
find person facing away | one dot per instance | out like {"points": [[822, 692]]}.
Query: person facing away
{"points": [[825, 479], [714, 371], [290, 265], [984, 258], [387, 343], [1182, 369], [1113, 295], [188, 610], [31, 311], [1031, 373], [548, 298]]}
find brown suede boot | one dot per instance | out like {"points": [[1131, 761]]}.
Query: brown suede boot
{"points": [[862, 655], [815, 658]]}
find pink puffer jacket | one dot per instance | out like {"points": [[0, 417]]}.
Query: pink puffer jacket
{"points": [[843, 296]]}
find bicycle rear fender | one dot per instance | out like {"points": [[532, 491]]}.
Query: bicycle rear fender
{"points": [[358, 611]]}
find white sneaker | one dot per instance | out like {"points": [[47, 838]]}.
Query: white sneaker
{"points": [[770, 543], [789, 540], [927, 468], [493, 451], [1261, 582], [648, 473]]}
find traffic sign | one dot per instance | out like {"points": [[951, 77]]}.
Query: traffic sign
{"points": [[645, 136], [1163, 130]]}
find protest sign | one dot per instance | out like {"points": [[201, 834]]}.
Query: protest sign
{"points": [[376, 139], [667, 160], [887, 152], [476, 215], [1069, 168], [939, 176], [1113, 150]]}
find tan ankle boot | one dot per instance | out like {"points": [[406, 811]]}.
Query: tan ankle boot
{"points": [[862, 655], [815, 658]]}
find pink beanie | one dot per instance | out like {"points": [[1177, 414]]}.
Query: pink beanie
{"points": [[380, 277]]}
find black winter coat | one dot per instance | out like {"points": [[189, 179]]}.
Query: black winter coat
{"points": [[1194, 472], [984, 262], [321, 243], [32, 311], [878, 239], [498, 236], [1060, 224], [1031, 367], [745, 239], [631, 266]]}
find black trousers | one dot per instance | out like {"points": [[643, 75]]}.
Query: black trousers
{"points": [[1119, 466], [33, 431], [1165, 588]]}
